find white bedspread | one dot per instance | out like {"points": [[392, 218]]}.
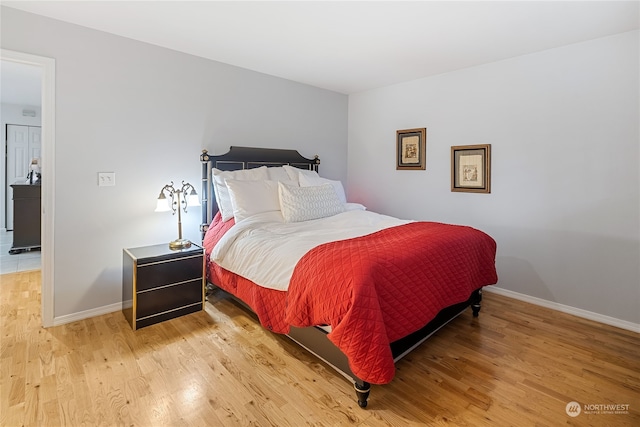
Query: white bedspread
{"points": [[265, 249]]}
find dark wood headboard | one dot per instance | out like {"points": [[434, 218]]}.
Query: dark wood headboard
{"points": [[244, 158]]}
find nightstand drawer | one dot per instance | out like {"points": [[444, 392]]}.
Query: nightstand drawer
{"points": [[160, 300], [162, 273]]}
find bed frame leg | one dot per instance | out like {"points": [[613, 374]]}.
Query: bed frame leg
{"points": [[209, 290], [362, 391], [476, 304]]}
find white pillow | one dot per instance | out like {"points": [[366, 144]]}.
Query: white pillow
{"points": [[222, 193], [307, 180], [278, 173], [354, 207], [254, 197], [294, 173], [307, 203]]}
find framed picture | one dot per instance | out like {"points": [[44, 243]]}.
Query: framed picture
{"points": [[411, 149], [471, 168]]}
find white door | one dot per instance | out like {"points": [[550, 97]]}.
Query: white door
{"points": [[35, 144], [23, 144]]}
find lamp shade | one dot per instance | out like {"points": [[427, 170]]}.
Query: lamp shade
{"points": [[162, 204], [192, 198]]}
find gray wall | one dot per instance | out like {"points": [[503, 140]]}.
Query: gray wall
{"points": [[145, 113], [564, 206], [563, 124]]}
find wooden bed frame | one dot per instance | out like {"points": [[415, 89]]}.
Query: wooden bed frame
{"points": [[314, 339]]}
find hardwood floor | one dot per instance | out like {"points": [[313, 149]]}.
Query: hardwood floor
{"points": [[516, 365]]}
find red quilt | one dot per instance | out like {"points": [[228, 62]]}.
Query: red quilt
{"points": [[372, 290]]}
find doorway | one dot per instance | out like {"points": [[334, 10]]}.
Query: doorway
{"points": [[23, 148], [47, 67]]}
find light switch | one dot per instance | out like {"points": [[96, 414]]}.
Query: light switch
{"points": [[106, 179]]}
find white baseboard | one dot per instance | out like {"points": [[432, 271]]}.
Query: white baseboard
{"points": [[81, 315], [607, 320]]}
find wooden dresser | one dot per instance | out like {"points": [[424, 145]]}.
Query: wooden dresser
{"points": [[26, 217]]}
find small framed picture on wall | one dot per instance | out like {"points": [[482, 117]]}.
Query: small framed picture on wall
{"points": [[471, 168], [411, 149]]}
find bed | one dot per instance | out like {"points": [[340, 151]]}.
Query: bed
{"points": [[357, 289]]}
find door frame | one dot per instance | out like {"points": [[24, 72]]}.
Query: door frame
{"points": [[48, 66]]}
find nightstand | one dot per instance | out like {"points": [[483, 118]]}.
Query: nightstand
{"points": [[159, 283]]}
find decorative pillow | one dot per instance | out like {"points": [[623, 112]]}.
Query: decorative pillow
{"points": [[308, 180], [254, 197], [307, 203], [222, 193], [278, 173], [294, 173]]}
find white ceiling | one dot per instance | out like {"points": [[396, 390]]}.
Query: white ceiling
{"points": [[350, 46]]}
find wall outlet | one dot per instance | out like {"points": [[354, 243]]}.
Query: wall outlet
{"points": [[106, 179]]}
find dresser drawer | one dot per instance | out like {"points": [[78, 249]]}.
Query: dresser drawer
{"points": [[167, 298], [154, 274]]}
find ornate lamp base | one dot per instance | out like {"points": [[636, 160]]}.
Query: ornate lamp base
{"points": [[180, 244]]}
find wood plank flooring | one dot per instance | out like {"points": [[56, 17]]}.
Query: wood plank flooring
{"points": [[515, 365]]}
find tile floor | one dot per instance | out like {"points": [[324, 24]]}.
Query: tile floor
{"points": [[20, 262]]}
